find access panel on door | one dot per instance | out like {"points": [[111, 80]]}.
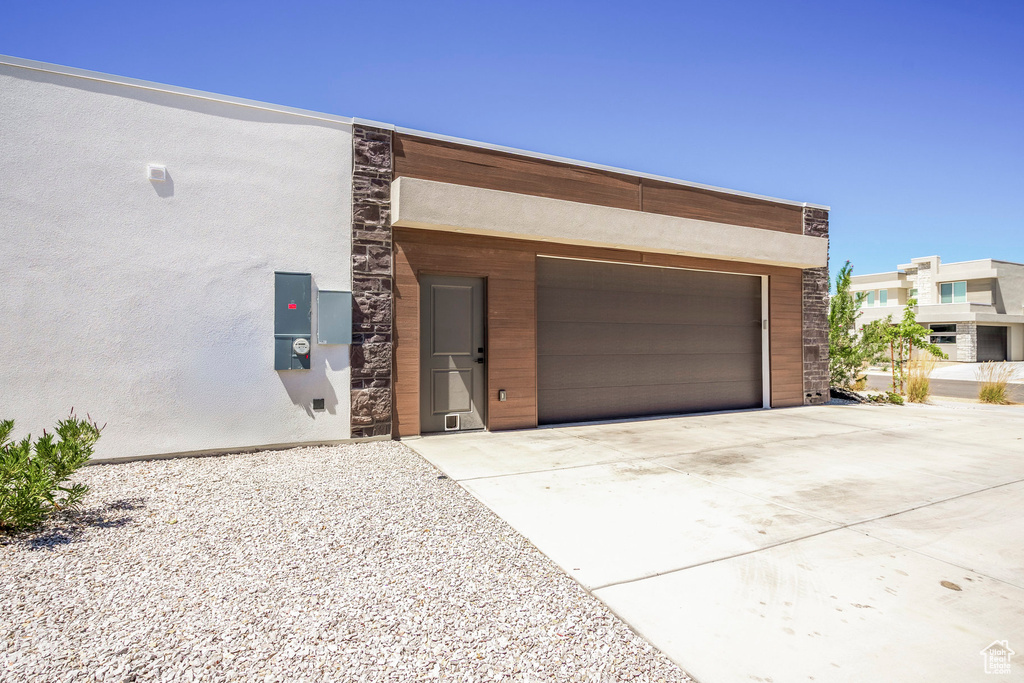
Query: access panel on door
{"points": [[452, 353]]}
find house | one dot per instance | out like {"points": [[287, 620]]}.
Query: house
{"points": [[975, 309], [206, 273]]}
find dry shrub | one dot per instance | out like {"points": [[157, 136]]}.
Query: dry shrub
{"points": [[919, 385], [994, 378], [861, 383]]}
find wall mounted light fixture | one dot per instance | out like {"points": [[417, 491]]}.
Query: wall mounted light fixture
{"points": [[157, 173]]}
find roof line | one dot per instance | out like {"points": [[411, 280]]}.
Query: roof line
{"points": [[976, 260], [577, 162], [320, 116], [171, 89], [979, 260], [951, 263]]}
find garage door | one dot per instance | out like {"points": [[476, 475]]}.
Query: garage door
{"points": [[618, 340], [991, 343]]}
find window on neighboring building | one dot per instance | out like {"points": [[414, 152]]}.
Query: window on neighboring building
{"points": [[953, 292], [943, 327], [883, 297], [943, 339], [913, 293], [869, 300]]}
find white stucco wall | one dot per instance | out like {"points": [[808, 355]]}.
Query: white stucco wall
{"points": [[1009, 290], [1015, 342], [150, 305]]}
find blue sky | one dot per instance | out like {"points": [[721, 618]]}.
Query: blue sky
{"points": [[906, 117]]}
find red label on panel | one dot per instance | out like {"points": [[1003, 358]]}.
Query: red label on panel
{"points": [[292, 306]]}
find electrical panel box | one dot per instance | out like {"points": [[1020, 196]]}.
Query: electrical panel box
{"points": [[293, 320], [333, 317]]}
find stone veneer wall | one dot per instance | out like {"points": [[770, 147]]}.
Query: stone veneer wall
{"points": [[912, 283], [372, 282], [967, 342], [925, 282], [815, 317]]}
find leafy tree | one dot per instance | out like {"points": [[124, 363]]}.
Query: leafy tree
{"points": [[849, 348], [33, 476], [902, 339]]}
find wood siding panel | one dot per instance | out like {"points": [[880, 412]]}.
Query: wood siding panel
{"points": [[463, 165], [690, 202], [510, 269], [449, 162], [785, 315], [511, 328]]}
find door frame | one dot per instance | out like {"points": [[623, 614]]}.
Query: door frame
{"points": [[766, 351]]}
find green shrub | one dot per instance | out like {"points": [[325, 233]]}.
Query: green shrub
{"points": [[849, 349], [993, 393], [887, 397], [31, 475]]}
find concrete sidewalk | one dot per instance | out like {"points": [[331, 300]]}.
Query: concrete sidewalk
{"points": [[836, 543], [952, 388], [969, 371]]}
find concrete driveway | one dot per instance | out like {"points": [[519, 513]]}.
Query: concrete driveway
{"points": [[835, 543]]}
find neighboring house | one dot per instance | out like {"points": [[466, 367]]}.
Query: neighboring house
{"points": [[205, 273], [975, 309]]}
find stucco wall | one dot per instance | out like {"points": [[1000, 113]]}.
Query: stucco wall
{"points": [[1009, 292], [433, 205], [1015, 342], [150, 305], [980, 291]]}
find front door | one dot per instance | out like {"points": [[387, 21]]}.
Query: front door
{"points": [[452, 357]]}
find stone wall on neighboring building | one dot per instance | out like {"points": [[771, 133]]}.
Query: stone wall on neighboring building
{"points": [[815, 317], [372, 282], [967, 342], [912, 284], [925, 283]]}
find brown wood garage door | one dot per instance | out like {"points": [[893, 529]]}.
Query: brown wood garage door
{"points": [[617, 340]]}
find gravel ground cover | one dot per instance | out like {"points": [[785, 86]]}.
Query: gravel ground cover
{"points": [[345, 563]]}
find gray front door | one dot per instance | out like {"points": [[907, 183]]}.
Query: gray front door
{"points": [[452, 354]]}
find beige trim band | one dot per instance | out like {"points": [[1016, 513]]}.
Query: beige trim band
{"points": [[432, 205]]}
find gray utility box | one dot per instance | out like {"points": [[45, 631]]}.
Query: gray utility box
{"points": [[293, 316], [333, 317]]}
